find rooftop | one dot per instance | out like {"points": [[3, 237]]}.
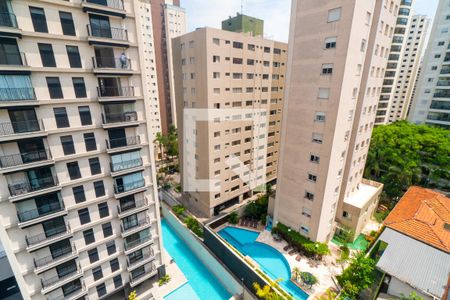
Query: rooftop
{"points": [[424, 215], [360, 197]]}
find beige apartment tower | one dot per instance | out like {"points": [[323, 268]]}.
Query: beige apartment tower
{"points": [[79, 213], [337, 59], [222, 71]]}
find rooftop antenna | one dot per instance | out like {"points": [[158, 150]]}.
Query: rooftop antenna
{"points": [[242, 7]]}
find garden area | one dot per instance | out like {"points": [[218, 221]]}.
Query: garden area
{"points": [[191, 222]]}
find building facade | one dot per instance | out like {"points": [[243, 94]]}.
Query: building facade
{"points": [[227, 71], [244, 24], [403, 65], [334, 80], [169, 21], [431, 105], [79, 211]]}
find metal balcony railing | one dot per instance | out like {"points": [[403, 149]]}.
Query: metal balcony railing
{"points": [[110, 91], [57, 255], [24, 187], [132, 205], [24, 158], [17, 94], [43, 210], [8, 19], [9, 128], [107, 32], [142, 274], [135, 243], [127, 116], [13, 58], [440, 105], [129, 226], [122, 188], [111, 63], [50, 233], [123, 142], [117, 4], [70, 272], [442, 95], [136, 260], [124, 165], [71, 291]]}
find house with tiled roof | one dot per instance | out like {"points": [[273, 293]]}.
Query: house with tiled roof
{"points": [[414, 247]]}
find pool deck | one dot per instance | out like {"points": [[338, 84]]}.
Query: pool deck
{"points": [[325, 270]]}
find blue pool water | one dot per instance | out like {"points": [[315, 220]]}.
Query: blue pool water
{"points": [[201, 283], [270, 260]]}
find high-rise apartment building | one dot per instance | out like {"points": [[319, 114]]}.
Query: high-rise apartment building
{"points": [[338, 53], [79, 215], [229, 71], [169, 21], [403, 65], [432, 101]]}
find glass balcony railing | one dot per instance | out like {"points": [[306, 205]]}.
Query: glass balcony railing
{"points": [[24, 158], [137, 242], [440, 105], [127, 116], [137, 259], [56, 256], [17, 94], [13, 59], [20, 127], [42, 211], [135, 276], [111, 63], [68, 272], [123, 142], [8, 19], [129, 226], [51, 233], [126, 187], [124, 165], [117, 4], [110, 91], [131, 205], [71, 291], [113, 33], [24, 187]]}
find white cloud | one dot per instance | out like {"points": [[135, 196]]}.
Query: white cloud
{"points": [[210, 13]]}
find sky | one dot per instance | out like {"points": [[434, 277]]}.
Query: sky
{"points": [[275, 13]]}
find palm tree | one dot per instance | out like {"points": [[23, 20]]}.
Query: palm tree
{"points": [[296, 273], [161, 140]]}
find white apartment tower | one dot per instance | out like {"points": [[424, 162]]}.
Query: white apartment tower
{"points": [[403, 65], [338, 51], [432, 100], [79, 213]]}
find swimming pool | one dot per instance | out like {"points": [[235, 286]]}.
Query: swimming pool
{"points": [[201, 283], [270, 260]]}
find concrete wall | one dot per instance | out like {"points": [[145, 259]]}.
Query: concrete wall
{"points": [[397, 288]]}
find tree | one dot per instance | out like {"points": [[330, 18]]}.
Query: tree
{"points": [[412, 296], [329, 295], [308, 279], [404, 154], [267, 292], [358, 276], [132, 295], [233, 218], [296, 273], [161, 140]]}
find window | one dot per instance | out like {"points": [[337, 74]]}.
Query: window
{"points": [[85, 115], [216, 58], [103, 209], [216, 75], [94, 164], [314, 158], [97, 273], [346, 215], [99, 188], [47, 56], [117, 281], [312, 177], [89, 141], [93, 255], [79, 87], [67, 145], [101, 290], [107, 229], [74, 56], [67, 23], [111, 247], [238, 61], [330, 43], [363, 45], [317, 138], [324, 93], [38, 19], [74, 170], [216, 41], [114, 265], [88, 236], [327, 69], [319, 117], [334, 14], [304, 229], [78, 194], [238, 45], [309, 196], [54, 88], [306, 212]]}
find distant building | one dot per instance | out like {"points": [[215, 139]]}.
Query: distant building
{"points": [[9, 290], [244, 24], [414, 247]]}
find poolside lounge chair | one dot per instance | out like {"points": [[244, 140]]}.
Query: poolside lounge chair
{"points": [[291, 252], [286, 248], [255, 224], [298, 258], [242, 221]]}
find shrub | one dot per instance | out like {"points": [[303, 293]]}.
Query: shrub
{"points": [[193, 224], [345, 253], [358, 276], [233, 218], [308, 278], [178, 210], [163, 280], [178, 188]]}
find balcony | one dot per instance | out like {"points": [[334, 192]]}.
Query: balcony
{"points": [[142, 275], [109, 7], [53, 235], [442, 94], [117, 37], [125, 165], [19, 130], [48, 262], [120, 144], [134, 187], [8, 24], [75, 291], [37, 185], [131, 227], [445, 105], [16, 95], [10, 60], [110, 93], [133, 245], [43, 211], [143, 259], [52, 283], [112, 66], [131, 208], [124, 119], [26, 160]]}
